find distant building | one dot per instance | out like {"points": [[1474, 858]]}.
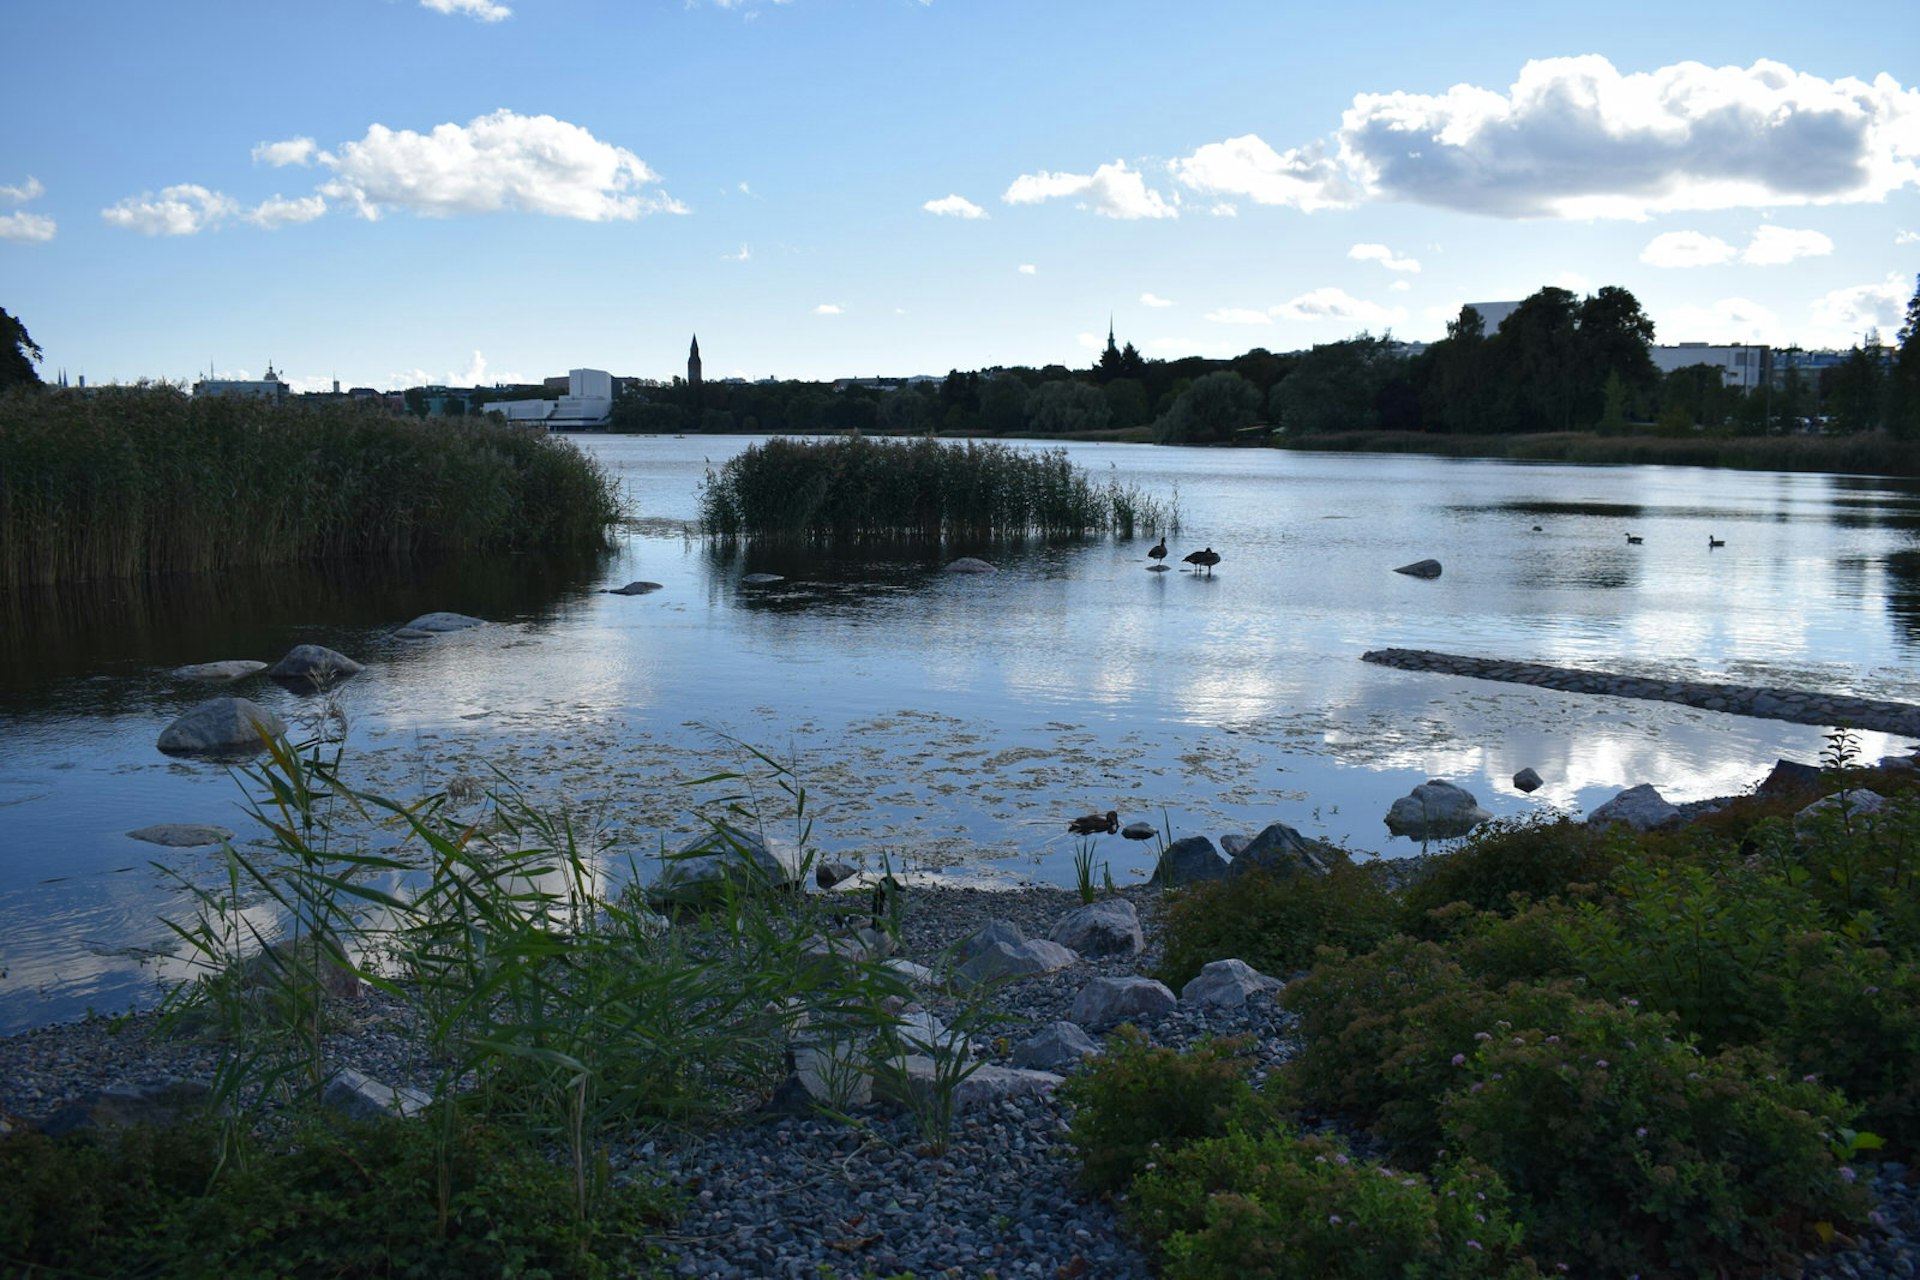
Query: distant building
{"points": [[587, 405], [1493, 315], [270, 388], [1744, 367], [693, 364]]}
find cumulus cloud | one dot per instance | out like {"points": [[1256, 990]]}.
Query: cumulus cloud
{"points": [[743, 255], [182, 210], [502, 161], [1336, 304], [28, 190], [483, 10], [1772, 246], [1725, 320], [1152, 300], [1028, 269], [1847, 313], [1303, 178], [24, 227], [1239, 315], [281, 212], [829, 309], [1112, 191], [1687, 249], [281, 154], [1904, 236], [954, 206], [1384, 256], [1401, 286]]}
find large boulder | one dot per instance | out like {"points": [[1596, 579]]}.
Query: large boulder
{"points": [[1189, 860], [923, 1079], [219, 672], [1227, 983], [699, 873], [1642, 808], [358, 1096], [1106, 1001], [1789, 776], [310, 667], [1855, 804], [1110, 926], [1421, 569], [1002, 961], [1058, 1046], [1282, 852], [428, 625], [221, 727], [1435, 810]]}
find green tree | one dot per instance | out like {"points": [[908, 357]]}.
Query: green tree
{"points": [[1211, 410], [1904, 419], [1614, 337], [1003, 404], [1534, 365], [1450, 377], [1336, 386], [1857, 396], [906, 411], [18, 354], [1127, 402], [1057, 408]]}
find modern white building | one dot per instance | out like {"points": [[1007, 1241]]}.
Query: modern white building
{"points": [[270, 388], [587, 404], [1744, 367]]}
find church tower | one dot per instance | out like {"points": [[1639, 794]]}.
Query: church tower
{"points": [[693, 365]]}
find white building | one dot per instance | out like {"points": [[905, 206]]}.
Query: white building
{"points": [[1493, 315], [270, 388], [1740, 366], [587, 404]]}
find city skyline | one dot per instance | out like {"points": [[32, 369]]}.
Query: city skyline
{"points": [[404, 192]]}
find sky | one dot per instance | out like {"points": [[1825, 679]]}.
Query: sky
{"points": [[396, 192]]}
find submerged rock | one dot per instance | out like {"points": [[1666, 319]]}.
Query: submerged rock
{"points": [[217, 672], [309, 667], [182, 835], [428, 625], [634, 589], [230, 727], [967, 564], [762, 579]]}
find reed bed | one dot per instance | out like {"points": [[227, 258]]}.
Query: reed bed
{"points": [[854, 487], [131, 481], [1864, 454]]}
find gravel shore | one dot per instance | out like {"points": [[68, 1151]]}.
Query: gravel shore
{"points": [[799, 1196]]}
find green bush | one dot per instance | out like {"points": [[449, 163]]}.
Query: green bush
{"points": [[1136, 1102], [1536, 859], [1273, 1206], [1274, 923], [1854, 1024]]}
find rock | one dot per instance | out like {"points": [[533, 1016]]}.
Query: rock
{"points": [[967, 564], [1421, 569], [1528, 781], [832, 1073], [1106, 1001], [1233, 844], [182, 835], [159, 1104], [695, 875], [358, 1096], [428, 625], [1139, 830], [1856, 804], [1058, 1046], [225, 727], [634, 589], [1788, 776], [1281, 851], [1001, 961], [1227, 983], [215, 672], [762, 579], [298, 963], [829, 874], [987, 1084], [1641, 807], [1108, 927], [1188, 860], [1435, 810], [310, 667]]}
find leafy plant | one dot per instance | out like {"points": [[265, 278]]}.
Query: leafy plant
{"points": [[1535, 859], [1273, 923]]}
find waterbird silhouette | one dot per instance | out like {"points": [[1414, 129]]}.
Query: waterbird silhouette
{"points": [[1094, 824], [1634, 540], [1203, 559], [1713, 542], [1158, 551]]}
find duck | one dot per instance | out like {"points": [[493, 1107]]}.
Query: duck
{"points": [[1094, 824], [1158, 551], [1713, 542], [1634, 539], [1203, 559]]}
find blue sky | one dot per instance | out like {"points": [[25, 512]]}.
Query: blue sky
{"points": [[389, 192]]}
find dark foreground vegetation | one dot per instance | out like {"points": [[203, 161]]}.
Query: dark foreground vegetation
{"points": [[857, 487], [122, 482], [1557, 1051]]}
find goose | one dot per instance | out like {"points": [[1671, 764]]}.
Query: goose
{"points": [[1094, 824], [1634, 540], [1713, 542], [1203, 559], [1158, 551]]}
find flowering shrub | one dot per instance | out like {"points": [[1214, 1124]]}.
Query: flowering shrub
{"points": [[1273, 923], [1536, 859], [1855, 1023], [1630, 1150]]}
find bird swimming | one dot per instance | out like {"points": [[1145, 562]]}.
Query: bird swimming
{"points": [[1203, 559], [1158, 551], [1713, 542], [1094, 824], [1634, 539]]}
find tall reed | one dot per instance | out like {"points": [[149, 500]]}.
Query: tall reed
{"points": [[856, 487], [122, 482]]}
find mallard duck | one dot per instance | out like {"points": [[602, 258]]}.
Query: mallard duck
{"points": [[1203, 559], [1094, 824]]}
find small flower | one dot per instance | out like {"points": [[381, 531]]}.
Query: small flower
{"points": [[1601, 1063], [1474, 1088], [1871, 991], [1339, 1158], [1481, 1035], [1641, 1132], [1459, 1059], [1473, 1244], [1518, 1040], [1319, 1159], [1553, 1039], [1810, 1078], [1630, 1002], [1333, 1219], [1847, 1175]]}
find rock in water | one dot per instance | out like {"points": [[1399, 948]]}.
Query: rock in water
{"points": [[1527, 780], [308, 667], [230, 669], [229, 727], [182, 835], [1421, 569], [967, 564], [428, 625], [1435, 810], [634, 589]]}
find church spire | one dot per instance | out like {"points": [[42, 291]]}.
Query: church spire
{"points": [[693, 363]]}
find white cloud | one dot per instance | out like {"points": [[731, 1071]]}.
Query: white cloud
{"points": [[281, 154], [828, 309], [29, 190], [1903, 236], [1028, 269], [182, 210], [1772, 246], [26, 228], [503, 161], [1384, 256], [1844, 314], [1336, 304], [1239, 315], [484, 10], [281, 212], [1303, 178], [1112, 191], [1727, 320], [954, 207], [1401, 286], [1687, 249], [1572, 281], [745, 253], [1151, 300]]}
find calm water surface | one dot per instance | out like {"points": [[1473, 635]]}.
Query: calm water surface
{"points": [[953, 721]]}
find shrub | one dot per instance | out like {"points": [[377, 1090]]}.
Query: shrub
{"points": [[1628, 1149], [1273, 1206], [1273, 923], [1536, 859], [1854, 1023], [1137, 1101]]}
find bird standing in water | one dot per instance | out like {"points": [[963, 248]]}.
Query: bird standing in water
{"points": [[1093, 824], [1158, 551], [1204, 559]]}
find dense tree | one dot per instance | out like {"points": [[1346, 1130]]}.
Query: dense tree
{"points": [[1451, 377], [1336, 386], [1855, 393], [1003, 405], [18, 354], [906, 411], [1127, 403], [1904, 416], [1211, 410], [1057, 408]]}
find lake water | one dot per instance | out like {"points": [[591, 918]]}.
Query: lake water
{"points": [[956, 722]]}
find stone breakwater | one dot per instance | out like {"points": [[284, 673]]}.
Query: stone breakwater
{"points": [[1794, 705]]}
